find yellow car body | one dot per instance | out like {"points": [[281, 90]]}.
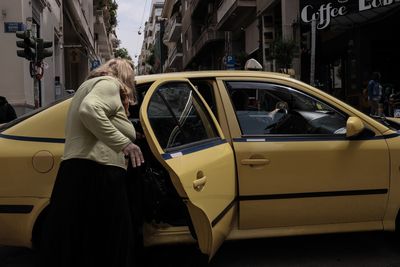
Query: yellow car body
{"points": [[242, 181]]}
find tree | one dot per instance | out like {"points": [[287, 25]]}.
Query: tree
{"points": [[283, 52], [122, 53], [241, 58], [111, 7]]}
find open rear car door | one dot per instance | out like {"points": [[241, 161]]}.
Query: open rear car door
{"points": [[186, 138]]}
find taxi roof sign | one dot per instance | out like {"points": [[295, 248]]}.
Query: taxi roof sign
{"points": [[252, 64]]}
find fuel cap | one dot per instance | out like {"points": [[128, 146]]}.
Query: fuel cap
{"points": [[43, 161]]}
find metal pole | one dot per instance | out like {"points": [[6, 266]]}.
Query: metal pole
{"points": [[313, 44], [36, 82]]}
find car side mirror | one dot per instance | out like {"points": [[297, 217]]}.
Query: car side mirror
{"points": [[354, 126]]}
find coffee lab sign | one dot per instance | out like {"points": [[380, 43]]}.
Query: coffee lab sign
{"points": [[323, 13]]}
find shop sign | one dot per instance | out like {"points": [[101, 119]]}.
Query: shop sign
{"points": [[95, 64], [11, 27], [324, 11], [230, 63]]}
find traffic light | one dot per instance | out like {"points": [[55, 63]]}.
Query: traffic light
{"points": [[42, 52], [28, 44]]}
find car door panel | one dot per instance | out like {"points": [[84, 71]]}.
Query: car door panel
{"points": [[317, 183], [295, 161], [308, 180], [203, 172]]}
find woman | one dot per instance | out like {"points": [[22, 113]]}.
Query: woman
{"points": [[89, 222]]}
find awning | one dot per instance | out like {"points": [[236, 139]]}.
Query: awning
{"points": [[363, 17]]}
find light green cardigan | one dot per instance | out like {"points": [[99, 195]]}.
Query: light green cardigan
{"points": [[97, 127]]}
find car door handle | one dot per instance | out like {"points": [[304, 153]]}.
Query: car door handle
{"points": [[257, 162], [199, 183]]}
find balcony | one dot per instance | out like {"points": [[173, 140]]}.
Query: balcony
{"points": [[104, 43], [200, 9], [207, 36], [173, 30], [174, 61], [263, 5], [234, 14], [79, 20]]}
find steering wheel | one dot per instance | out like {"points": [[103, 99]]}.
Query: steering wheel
{"points": [[282, 107]]}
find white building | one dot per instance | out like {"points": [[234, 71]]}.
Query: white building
{"points": [[172, 12], [86, 40], [77, 30], [23, 92], [152, 28]]}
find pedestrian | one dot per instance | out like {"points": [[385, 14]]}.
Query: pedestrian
{"points": [[7, 112], [375, 93], [89, 221], [364, 102]]}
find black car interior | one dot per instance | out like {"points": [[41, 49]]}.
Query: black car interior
{"points": [[153, 196]]}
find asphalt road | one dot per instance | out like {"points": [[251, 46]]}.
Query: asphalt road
{"points": [[361, 249]]}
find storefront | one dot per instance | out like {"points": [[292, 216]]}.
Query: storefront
{"points": [[353, 38]]}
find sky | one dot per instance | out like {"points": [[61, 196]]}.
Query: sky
{"points": [[131, 16]]}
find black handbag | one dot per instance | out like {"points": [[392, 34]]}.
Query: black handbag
{"points": [[155, 194]]}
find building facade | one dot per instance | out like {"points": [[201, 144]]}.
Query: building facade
{"points": [[350, 40], [172, 12], [153, 52], [23, 92], [87, 39], [353, 39], [203, 44], [211, 34], [75, 29], [278, 26]]}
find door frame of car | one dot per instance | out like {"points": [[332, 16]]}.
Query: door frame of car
{"points": [[378, 128], [212, 221]]}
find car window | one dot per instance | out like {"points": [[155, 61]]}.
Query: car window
{"points": [[268, 109], [206, 90], [178, 117]]}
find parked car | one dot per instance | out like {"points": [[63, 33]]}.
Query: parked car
{"points": [[229, 155]]}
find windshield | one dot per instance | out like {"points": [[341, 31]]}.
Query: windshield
{"points": [[391, 124], [29, 114]]}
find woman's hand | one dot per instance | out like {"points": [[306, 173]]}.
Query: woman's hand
{"points": [[133, 152]]}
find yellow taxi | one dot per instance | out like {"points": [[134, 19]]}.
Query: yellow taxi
{"points": [[229, 155]]}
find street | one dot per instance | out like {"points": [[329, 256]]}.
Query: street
{"points": [[359, 249]]}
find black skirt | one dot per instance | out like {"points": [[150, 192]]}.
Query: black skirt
{"points": [[89, 221]]}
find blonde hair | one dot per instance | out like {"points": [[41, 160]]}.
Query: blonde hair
{"points": [[123, 71]]}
